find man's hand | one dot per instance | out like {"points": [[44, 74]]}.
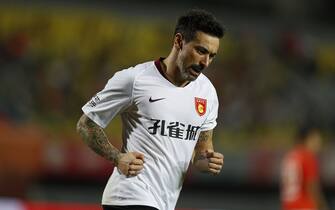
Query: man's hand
{"points": [[209, 161], [131, 163]]}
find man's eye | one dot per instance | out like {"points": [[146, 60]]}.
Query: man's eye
{"points": [[201, 51]]}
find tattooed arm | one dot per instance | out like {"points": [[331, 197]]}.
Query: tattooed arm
{"points": [[94, 136], [205, 159]]}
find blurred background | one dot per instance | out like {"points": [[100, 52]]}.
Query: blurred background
{"points": [[275, 70]]}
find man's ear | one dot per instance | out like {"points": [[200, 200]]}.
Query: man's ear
{"points": [[178, 41]]}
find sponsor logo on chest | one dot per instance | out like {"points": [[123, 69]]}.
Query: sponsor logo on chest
{"points": [[177, 129]]}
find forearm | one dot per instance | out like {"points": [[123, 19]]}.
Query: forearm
{"points": [[95, 137], [204, 144], [200, 162]]}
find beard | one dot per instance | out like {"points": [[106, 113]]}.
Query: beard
{"points": [[191, 72], [186, 75], [188, 72]]}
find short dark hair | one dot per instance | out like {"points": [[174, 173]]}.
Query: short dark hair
{"points": [[198, 20]]}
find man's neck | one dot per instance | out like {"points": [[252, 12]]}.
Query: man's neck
{"points": [[171, 71]]}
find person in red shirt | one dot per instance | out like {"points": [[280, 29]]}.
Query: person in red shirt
{"points": [[300, 180]]}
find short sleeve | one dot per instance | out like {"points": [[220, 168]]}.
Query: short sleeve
{"points": [[113, 99], [210, 121]]}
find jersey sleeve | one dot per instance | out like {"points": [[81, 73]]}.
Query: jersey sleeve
{"points": [[114, 98], [210, 121]]}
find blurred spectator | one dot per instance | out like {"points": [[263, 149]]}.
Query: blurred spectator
{"points": [[300, 178]]}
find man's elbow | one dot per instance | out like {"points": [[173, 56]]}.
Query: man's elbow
{"points": [[81, 124], [78, 127]]}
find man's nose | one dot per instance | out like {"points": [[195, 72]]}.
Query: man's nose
{"points": [[205, 61]]}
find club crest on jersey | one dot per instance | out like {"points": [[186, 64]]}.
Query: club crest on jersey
{"points": [[200, 105]]}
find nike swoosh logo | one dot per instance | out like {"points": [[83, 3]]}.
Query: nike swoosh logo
{"points": [[154, 100]]}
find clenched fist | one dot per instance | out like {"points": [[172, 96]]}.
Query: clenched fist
{"points": [[131, 163], [209, 161]]}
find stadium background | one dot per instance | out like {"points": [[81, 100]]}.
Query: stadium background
{"points": [[275, 70]]}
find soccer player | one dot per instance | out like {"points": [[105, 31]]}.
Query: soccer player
{"points": [[300, 181], [168, 110]]}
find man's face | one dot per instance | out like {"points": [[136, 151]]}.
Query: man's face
{"points": [[196, 55], [314, 141]]}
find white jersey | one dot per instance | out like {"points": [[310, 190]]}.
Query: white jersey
{"points": [[161, 121]]}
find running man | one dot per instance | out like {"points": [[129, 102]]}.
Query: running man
{"points": [[168, 110]]}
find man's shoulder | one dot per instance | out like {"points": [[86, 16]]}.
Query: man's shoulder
{"points": [[144, 66], [136, 70], [203, 77], [298, 153], [204, 81]]}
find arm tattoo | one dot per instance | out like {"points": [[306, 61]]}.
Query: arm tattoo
{"points": [[200, 157], [204, 143], [205, 135], [95, 137]]}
